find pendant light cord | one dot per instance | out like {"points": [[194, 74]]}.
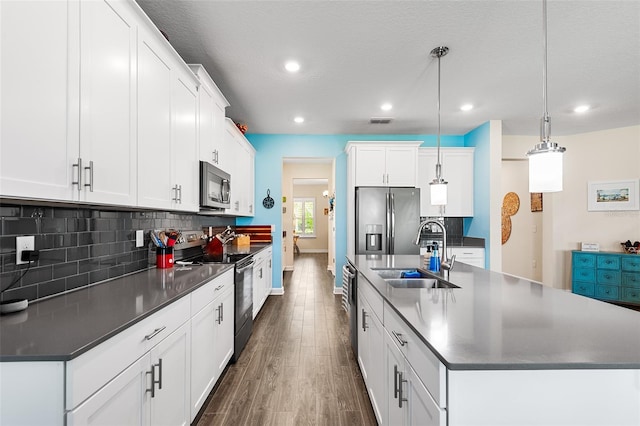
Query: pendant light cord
{"points": [[439, 166], [545, 124]]}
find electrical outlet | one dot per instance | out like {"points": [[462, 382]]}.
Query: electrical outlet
{"points": [[139, 238], [22, 244]]}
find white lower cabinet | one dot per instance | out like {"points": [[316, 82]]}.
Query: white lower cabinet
{"points": [[370, 353], [211, 337], [408, 401], [153, 390], [122, 402], [262, 270]]}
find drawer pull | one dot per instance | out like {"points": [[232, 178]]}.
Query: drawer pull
{"points": [[154, 333], [219, 287], [399, 338]]}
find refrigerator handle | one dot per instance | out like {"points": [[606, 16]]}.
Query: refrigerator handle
{"points": [[393, 224], [387, 247]]}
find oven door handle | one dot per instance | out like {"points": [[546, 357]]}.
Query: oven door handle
{"points": [[245, 267]]}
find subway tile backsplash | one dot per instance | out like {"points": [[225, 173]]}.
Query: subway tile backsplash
{"points": [[80, 246]]}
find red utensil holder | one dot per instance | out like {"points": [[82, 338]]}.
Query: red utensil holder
{"points": [[164, 257]]}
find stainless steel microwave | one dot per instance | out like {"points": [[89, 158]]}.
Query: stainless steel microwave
{"points": [[215, 187]]}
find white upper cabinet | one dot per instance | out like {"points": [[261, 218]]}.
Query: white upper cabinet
{"points": [[184, 153], [167, 127], [241, 171], [211, 117], [457, 170], [38, 143], [108, 82], [385, 163], [154, 122]]}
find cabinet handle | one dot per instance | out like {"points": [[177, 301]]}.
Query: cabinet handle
{"points": [[174, 189], [180, 192], [153, 381], [395, 381], [159, 381], [400, 382], [154, 333], [221, 312], [79, 181], [90, 184], [364, 320], [260, 271], [218, 320], [399, 338], [219, 287], [250, 208]]}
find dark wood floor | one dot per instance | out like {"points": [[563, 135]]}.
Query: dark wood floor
{"points": [[298, 367]]}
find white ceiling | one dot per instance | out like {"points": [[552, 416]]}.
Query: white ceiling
{"points": [[355, 55]]}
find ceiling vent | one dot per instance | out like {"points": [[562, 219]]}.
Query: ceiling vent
{"points": [[380, 120]]}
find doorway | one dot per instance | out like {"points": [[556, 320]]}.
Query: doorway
{"points": [[308, 214]]}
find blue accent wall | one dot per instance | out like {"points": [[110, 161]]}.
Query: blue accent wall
{"points": [[272, 148], [478, 225]]}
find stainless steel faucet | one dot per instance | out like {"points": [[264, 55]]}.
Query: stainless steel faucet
{"points": [[445, 264]]}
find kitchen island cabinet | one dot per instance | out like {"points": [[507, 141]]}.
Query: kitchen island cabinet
{"points": [[501, 350], [118, 353]]}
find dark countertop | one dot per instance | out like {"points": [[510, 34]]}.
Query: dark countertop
{"points": [[63, 327], [496, 321]]}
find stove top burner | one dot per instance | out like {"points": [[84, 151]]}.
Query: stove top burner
{"points": [[224, 258]]}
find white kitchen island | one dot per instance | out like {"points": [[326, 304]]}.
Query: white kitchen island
{"points": [[495, 350]]}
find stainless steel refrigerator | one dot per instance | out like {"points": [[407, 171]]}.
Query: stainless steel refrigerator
{"points": [[387, 220]]}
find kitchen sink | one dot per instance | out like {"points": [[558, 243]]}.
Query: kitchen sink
{"points": [[419, 283], [395, 273], [395, 277]]}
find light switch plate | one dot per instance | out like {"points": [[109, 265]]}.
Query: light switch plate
{"points": [[22, 244], [139, 238]]}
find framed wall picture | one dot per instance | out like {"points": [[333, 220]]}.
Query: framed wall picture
{"points": [[613, 195]]}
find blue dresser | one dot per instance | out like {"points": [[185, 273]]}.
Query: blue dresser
{"points": [[606, 276]]}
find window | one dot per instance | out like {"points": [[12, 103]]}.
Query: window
{"points": [[304, 217]]}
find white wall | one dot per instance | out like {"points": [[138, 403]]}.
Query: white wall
{"points": [[523, 250], [598, 156]]}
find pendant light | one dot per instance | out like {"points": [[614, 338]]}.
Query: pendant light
{"points": [[438, 186], [545, 159]]}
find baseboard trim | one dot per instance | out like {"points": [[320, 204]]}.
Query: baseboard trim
{"points": [[314, 251], [288, 269], [277, 291], [337, 290]]}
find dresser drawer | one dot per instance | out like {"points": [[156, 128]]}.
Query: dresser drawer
{"points": [[427, 366], [630, 294], [631, 279], [585, 289], [94, 368], [584, 260], [607, 262], [584, 275], [608, 276], [631, 263], [608, 292]]}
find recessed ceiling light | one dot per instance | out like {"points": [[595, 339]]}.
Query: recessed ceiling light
{"points": [[386, 106], [292, 66], [581, 108], [466, 107], [299, 119]]}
